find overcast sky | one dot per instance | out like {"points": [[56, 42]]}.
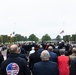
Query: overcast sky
{"points": [[38, 16]]}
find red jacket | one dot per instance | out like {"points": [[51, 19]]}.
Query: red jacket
{"points": [[63, 64]]}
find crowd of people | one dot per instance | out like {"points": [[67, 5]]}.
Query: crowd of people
{"points": [[39, 59]]}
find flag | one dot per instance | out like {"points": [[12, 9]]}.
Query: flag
{"points": [[12, 69], [10, 34], [13, 33], [62, 32]]}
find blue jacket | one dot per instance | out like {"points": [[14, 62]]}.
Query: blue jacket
{"points": [[45, 68], [40, 50], [53, 56]]}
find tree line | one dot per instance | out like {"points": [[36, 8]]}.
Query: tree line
{"points": [[18, 37], [68, 38], [33, 37]]}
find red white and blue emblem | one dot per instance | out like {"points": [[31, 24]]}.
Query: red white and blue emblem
{"points": [[12, 69]]}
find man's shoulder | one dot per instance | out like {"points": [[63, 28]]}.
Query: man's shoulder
{"points": [[74, 59], [54, 63], [20, 61], [52, 53], [13, 60], [49, 62], [38, 63]]}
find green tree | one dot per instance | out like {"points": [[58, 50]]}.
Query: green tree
{"points": [[74, 37], [18, 37], [25, 38], [0, 39], [67, 38], [4, 38], [46, 37], [33, 37]]}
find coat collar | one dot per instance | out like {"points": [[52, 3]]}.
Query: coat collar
{"points": [[13, 55]]}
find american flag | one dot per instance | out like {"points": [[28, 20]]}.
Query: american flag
{"points": [[62, 32], [12, 69], [11, 34]]}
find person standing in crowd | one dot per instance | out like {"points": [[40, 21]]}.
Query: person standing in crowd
{"points": [[1, 58], [45, 67], [14, 65], [40, 49], [22, 55], [73, 66], [53, 56], [22, 49], [34, 58], [73, 55], [63, 63], [32, 51]]}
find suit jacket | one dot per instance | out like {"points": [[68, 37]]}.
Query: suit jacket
{"points": [[34, 58], [45, 68], [53, 56], [73, 67]]}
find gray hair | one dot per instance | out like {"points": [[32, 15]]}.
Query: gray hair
{"points": [[45, 55], [62, 51], [74, 50]]}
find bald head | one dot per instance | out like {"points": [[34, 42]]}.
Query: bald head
{"points": [[45, 55], [50, 48], [13, 48]]}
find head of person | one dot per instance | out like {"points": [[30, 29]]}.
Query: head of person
{"points": [[62, 51], [40, 46], [50, 48], [33, 48], [36, 48], [45, 55], [14, 49], [74, 50]]}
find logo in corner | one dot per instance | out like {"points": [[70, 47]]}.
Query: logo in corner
{"points": [[12, 69]]}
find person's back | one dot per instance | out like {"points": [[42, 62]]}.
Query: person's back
{"points": [[45, 67], [63, 63], [56, 50], [14, 65], [34, 58], [1, 59], [53, 56], [73, 55], [40, 49], [32, 51], [73, 67]]}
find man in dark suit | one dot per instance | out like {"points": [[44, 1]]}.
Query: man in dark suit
{"points": [[45, 67], [73, 67], [34, 58], [40, 49], [53, 56]]}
